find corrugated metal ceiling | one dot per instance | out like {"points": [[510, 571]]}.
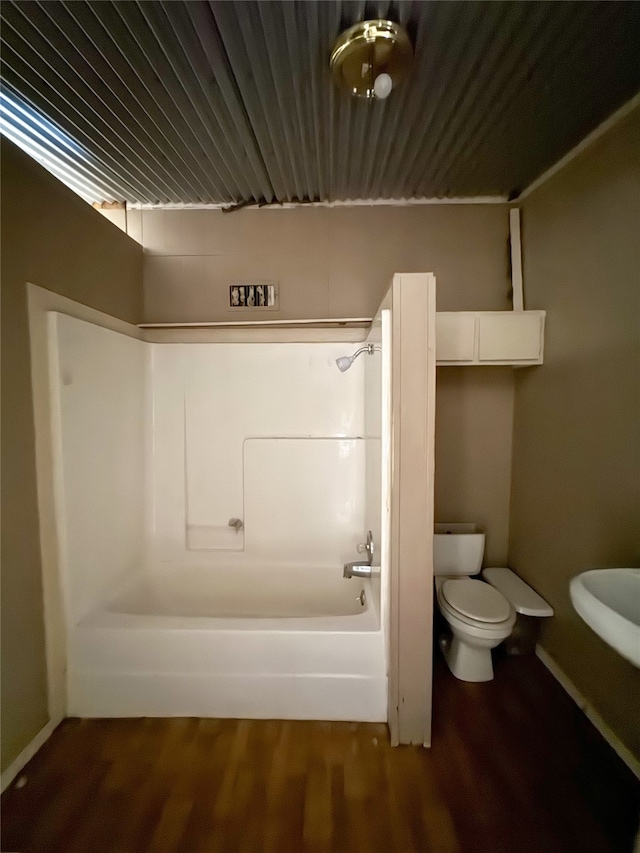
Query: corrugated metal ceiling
{"points": [[222, 102]]}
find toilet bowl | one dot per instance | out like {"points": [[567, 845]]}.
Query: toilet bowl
{"points": [[480, 618]]}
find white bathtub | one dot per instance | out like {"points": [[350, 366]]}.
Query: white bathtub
{"points": [[244, 642]]}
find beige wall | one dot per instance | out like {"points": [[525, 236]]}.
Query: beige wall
{"points": [[338, 262], [576, 460], [54, 239], [329, 262], [474, 423]]}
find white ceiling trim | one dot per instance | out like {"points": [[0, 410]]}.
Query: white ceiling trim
{"points": [[389, 202]]}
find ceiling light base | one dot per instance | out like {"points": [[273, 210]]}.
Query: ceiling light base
{"points": [[371, 58]]}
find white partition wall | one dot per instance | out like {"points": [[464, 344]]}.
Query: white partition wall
{"points": [[413, 359], [98, 385], [377, 396], [373, 439]]}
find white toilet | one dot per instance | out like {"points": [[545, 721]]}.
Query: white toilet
{"points": [[480, 617]]}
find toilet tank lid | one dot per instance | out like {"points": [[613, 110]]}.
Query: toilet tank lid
{"points": [[524, 599]]}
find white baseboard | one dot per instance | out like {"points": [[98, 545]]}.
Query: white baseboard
{"points": [[27, 754], [612, 739]]}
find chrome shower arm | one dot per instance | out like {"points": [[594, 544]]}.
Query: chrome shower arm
{"points": [[368, 348], [345, 361]]}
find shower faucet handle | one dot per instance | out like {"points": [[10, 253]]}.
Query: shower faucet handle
{"points": [[367, 547]]}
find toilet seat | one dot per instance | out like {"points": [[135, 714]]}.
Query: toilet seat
{"points": [[475, 600], [479, 618]]}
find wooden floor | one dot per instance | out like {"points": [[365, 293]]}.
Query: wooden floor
{"points": [[514, 767]]}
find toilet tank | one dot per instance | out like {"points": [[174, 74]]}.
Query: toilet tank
{"points": [[458, 549]]}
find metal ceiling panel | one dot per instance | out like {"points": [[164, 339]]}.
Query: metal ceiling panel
{"points": [[233, 102]]}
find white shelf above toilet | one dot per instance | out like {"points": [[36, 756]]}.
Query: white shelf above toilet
{"points": [[489, 337]]}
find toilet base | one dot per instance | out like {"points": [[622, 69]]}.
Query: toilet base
{"points": [[467, 663]]}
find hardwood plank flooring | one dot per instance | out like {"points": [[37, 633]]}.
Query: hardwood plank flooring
{"points": [[514, 768]]}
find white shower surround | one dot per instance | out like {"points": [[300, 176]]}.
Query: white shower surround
{"points": [[270, 422], [282, 420]]}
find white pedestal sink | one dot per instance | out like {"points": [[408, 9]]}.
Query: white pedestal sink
{"points": [[609, 602]]}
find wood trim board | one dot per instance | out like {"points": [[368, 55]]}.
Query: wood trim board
{"points": [[413, 361]]}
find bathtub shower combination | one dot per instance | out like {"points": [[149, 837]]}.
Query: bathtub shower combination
{"points": [[207, 497]]}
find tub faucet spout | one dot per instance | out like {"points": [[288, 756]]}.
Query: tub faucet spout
{"points": [[357, 569], [361, 568]]}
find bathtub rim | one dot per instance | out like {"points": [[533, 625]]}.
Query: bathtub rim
{"points": [[365, 622], [104, 616]]}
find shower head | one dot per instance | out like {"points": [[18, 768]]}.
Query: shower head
{"points": [[345, 361]]}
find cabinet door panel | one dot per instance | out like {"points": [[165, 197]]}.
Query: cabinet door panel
{"points": [[509, 337], [455, 337]]}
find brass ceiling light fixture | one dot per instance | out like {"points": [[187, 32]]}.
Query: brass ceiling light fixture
{"points": [[369, 59]]}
